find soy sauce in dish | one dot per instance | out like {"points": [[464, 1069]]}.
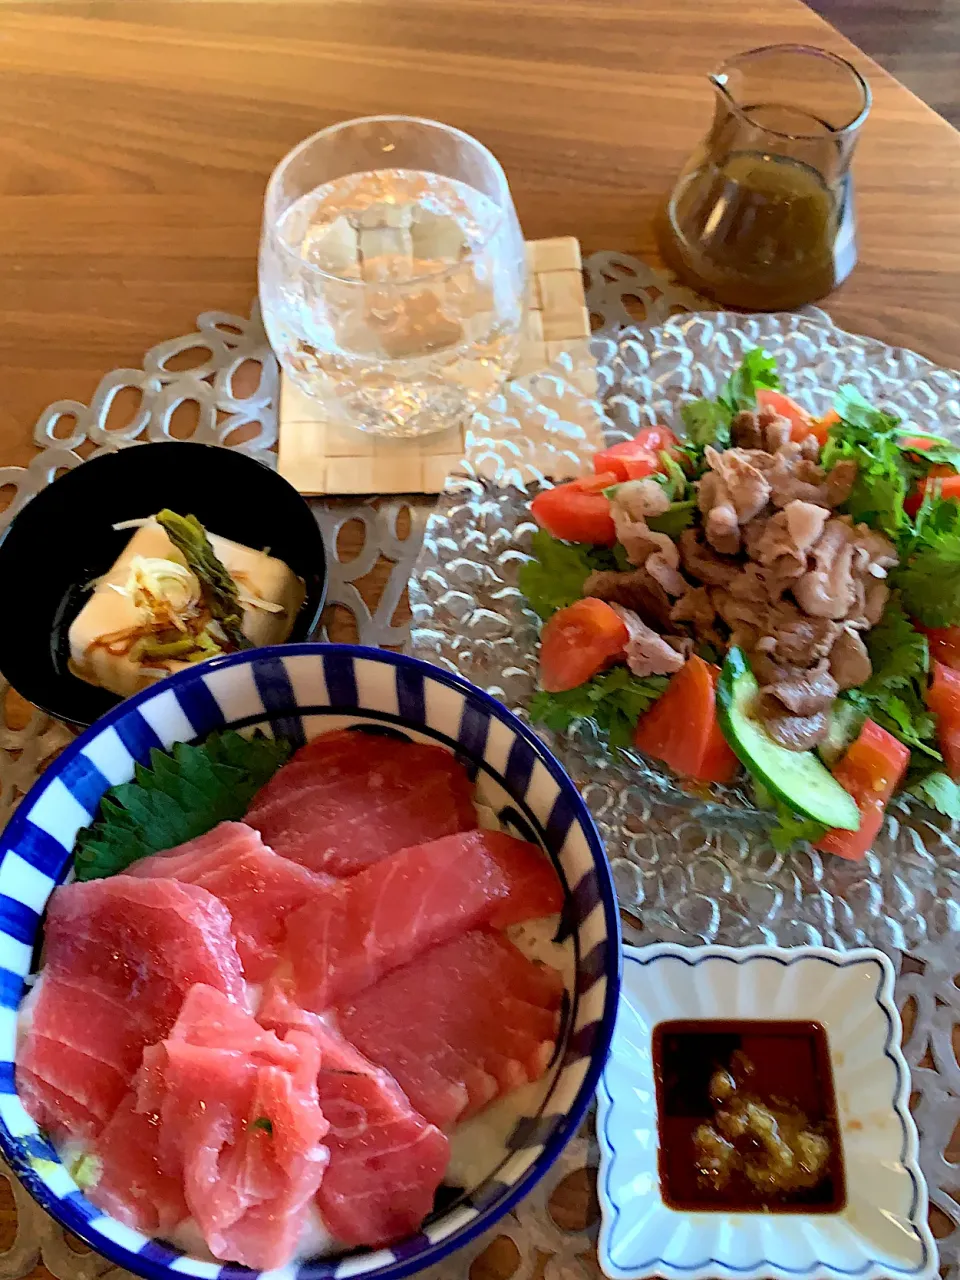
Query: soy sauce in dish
{"points": [[747, 1117]]}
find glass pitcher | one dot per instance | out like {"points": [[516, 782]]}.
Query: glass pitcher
{"points": [[762, 216]]}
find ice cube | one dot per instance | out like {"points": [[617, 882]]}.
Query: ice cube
{"points": [[385, 248], [437, 237], [333, 248]]}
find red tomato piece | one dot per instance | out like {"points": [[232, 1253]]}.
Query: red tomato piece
{"points": [[630, 460], [870, 771], [946, 478], [636, 458], [681, 728], [578, 511], [579, 641], [944, 643], [801, 422], [943, 699]]}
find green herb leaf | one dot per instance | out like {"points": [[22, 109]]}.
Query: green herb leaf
{"points": [[613, 702], [940, 792], [885, 473], [219, 590], [555, 577], [929, 573], [672, 476], [706, 422], [937, 451], [757, 369], [790, 829], [899, 653], [262, 1122], [894, 696], [675, 519], [183, 794]]}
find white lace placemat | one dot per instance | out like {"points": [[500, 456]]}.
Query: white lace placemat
{"points": [[542, 1235]]}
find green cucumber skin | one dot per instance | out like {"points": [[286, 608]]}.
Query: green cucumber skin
{"points": [[816, 794]]}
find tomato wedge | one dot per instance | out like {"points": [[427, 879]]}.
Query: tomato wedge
{"points": [[577, 511], [870, 771], [579, 641], [681, 727], [636, 458], [944, 643], [802, 424], [946, 478], [943, 699]]}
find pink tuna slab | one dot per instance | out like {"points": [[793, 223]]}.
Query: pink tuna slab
{"points": [[476, 1000], [120, 956], [348, 936], [223, 1123], [386, 1160], [347, 800], [258, 887]]}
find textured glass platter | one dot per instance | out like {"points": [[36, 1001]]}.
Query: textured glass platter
{"points": [[694, 868]]}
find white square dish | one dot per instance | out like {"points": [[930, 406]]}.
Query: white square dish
{"points": [[880, 1233]]}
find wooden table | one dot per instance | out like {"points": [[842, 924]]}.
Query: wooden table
{"points": [[137, 137]]}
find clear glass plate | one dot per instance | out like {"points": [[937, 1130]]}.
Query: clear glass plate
{"points": [[693, 867]]}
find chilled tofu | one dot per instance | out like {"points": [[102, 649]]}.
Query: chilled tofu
{"points": [[110, 612]]}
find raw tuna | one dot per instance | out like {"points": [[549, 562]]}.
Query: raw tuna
{"points": [[347, 800], [476, 1002], [121, 955], [258, 887], [386, 1161], [349, 935], [226, 1110]]}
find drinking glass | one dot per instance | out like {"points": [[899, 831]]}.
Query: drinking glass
{"points": [[392, 273], [762, 215]]}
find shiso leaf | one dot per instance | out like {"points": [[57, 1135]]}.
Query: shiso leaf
{"points": [[183, 794]]}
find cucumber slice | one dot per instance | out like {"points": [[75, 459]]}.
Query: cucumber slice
{"points": [[797, 778], [846, 721]]}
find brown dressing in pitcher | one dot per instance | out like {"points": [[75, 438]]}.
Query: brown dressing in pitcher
{"points": [[762, 216]]}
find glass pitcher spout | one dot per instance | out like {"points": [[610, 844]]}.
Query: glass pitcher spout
{"points": [[762, 215]]}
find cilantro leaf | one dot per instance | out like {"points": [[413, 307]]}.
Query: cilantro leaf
{"points": [[183, 794], [940, 792], [894, 696], [929, 573], [555, 576], [936, 451], [899, 653], [613, 701], [757, 369], [790, 829], [708, 421], [885, 472], [677, 517]]}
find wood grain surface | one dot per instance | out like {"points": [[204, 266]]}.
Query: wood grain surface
{"points": [[136, 137]]}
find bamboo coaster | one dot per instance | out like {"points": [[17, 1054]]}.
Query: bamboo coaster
{"points": [[320, 458]]}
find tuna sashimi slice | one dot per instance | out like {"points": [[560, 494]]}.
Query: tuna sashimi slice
{"points": [[465, 1000], [257, 887], [121, 954], [349, 799], [386, 1160], [132, 1186], [353, 932], [228, 1112]]}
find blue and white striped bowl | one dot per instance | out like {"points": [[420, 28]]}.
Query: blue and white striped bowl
{"points": [[299, 691]]}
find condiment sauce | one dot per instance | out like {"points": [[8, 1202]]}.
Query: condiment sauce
{"points": [[790, 1064]]}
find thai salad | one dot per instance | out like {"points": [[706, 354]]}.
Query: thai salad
{"points": [[771, 593]]}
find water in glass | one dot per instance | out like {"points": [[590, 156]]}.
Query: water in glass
{"points": [[394, 297]]}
